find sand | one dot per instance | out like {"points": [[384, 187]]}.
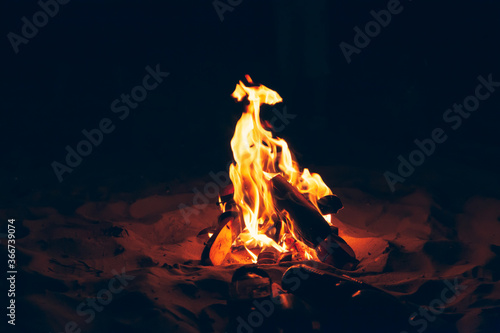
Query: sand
{"points": [[408, 245]]}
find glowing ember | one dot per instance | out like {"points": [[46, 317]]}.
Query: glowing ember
{"points": [[259, 156]]}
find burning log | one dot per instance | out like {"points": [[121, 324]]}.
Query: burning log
{"points": [[308, 222], [330, 204], [226, 200], [311, 226], [266, 258], [219, 245]]}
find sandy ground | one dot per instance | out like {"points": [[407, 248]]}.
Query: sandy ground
{"points": [[408, 245]]}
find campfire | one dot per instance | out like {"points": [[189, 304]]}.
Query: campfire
{"points": [[272, 211]]}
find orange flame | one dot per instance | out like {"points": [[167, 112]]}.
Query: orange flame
{"points": [[258, 157]]}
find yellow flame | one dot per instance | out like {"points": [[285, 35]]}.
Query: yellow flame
{"points": [[258, 157]]}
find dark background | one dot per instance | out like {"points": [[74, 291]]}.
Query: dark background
{"points": [[361, 115]]}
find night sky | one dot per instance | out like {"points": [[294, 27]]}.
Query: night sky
{"points": [[362, 113]]}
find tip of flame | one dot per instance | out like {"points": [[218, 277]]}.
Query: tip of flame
{"points": [[249, 79]]}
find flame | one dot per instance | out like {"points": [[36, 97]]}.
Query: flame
{"points": [[258, 157]]}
